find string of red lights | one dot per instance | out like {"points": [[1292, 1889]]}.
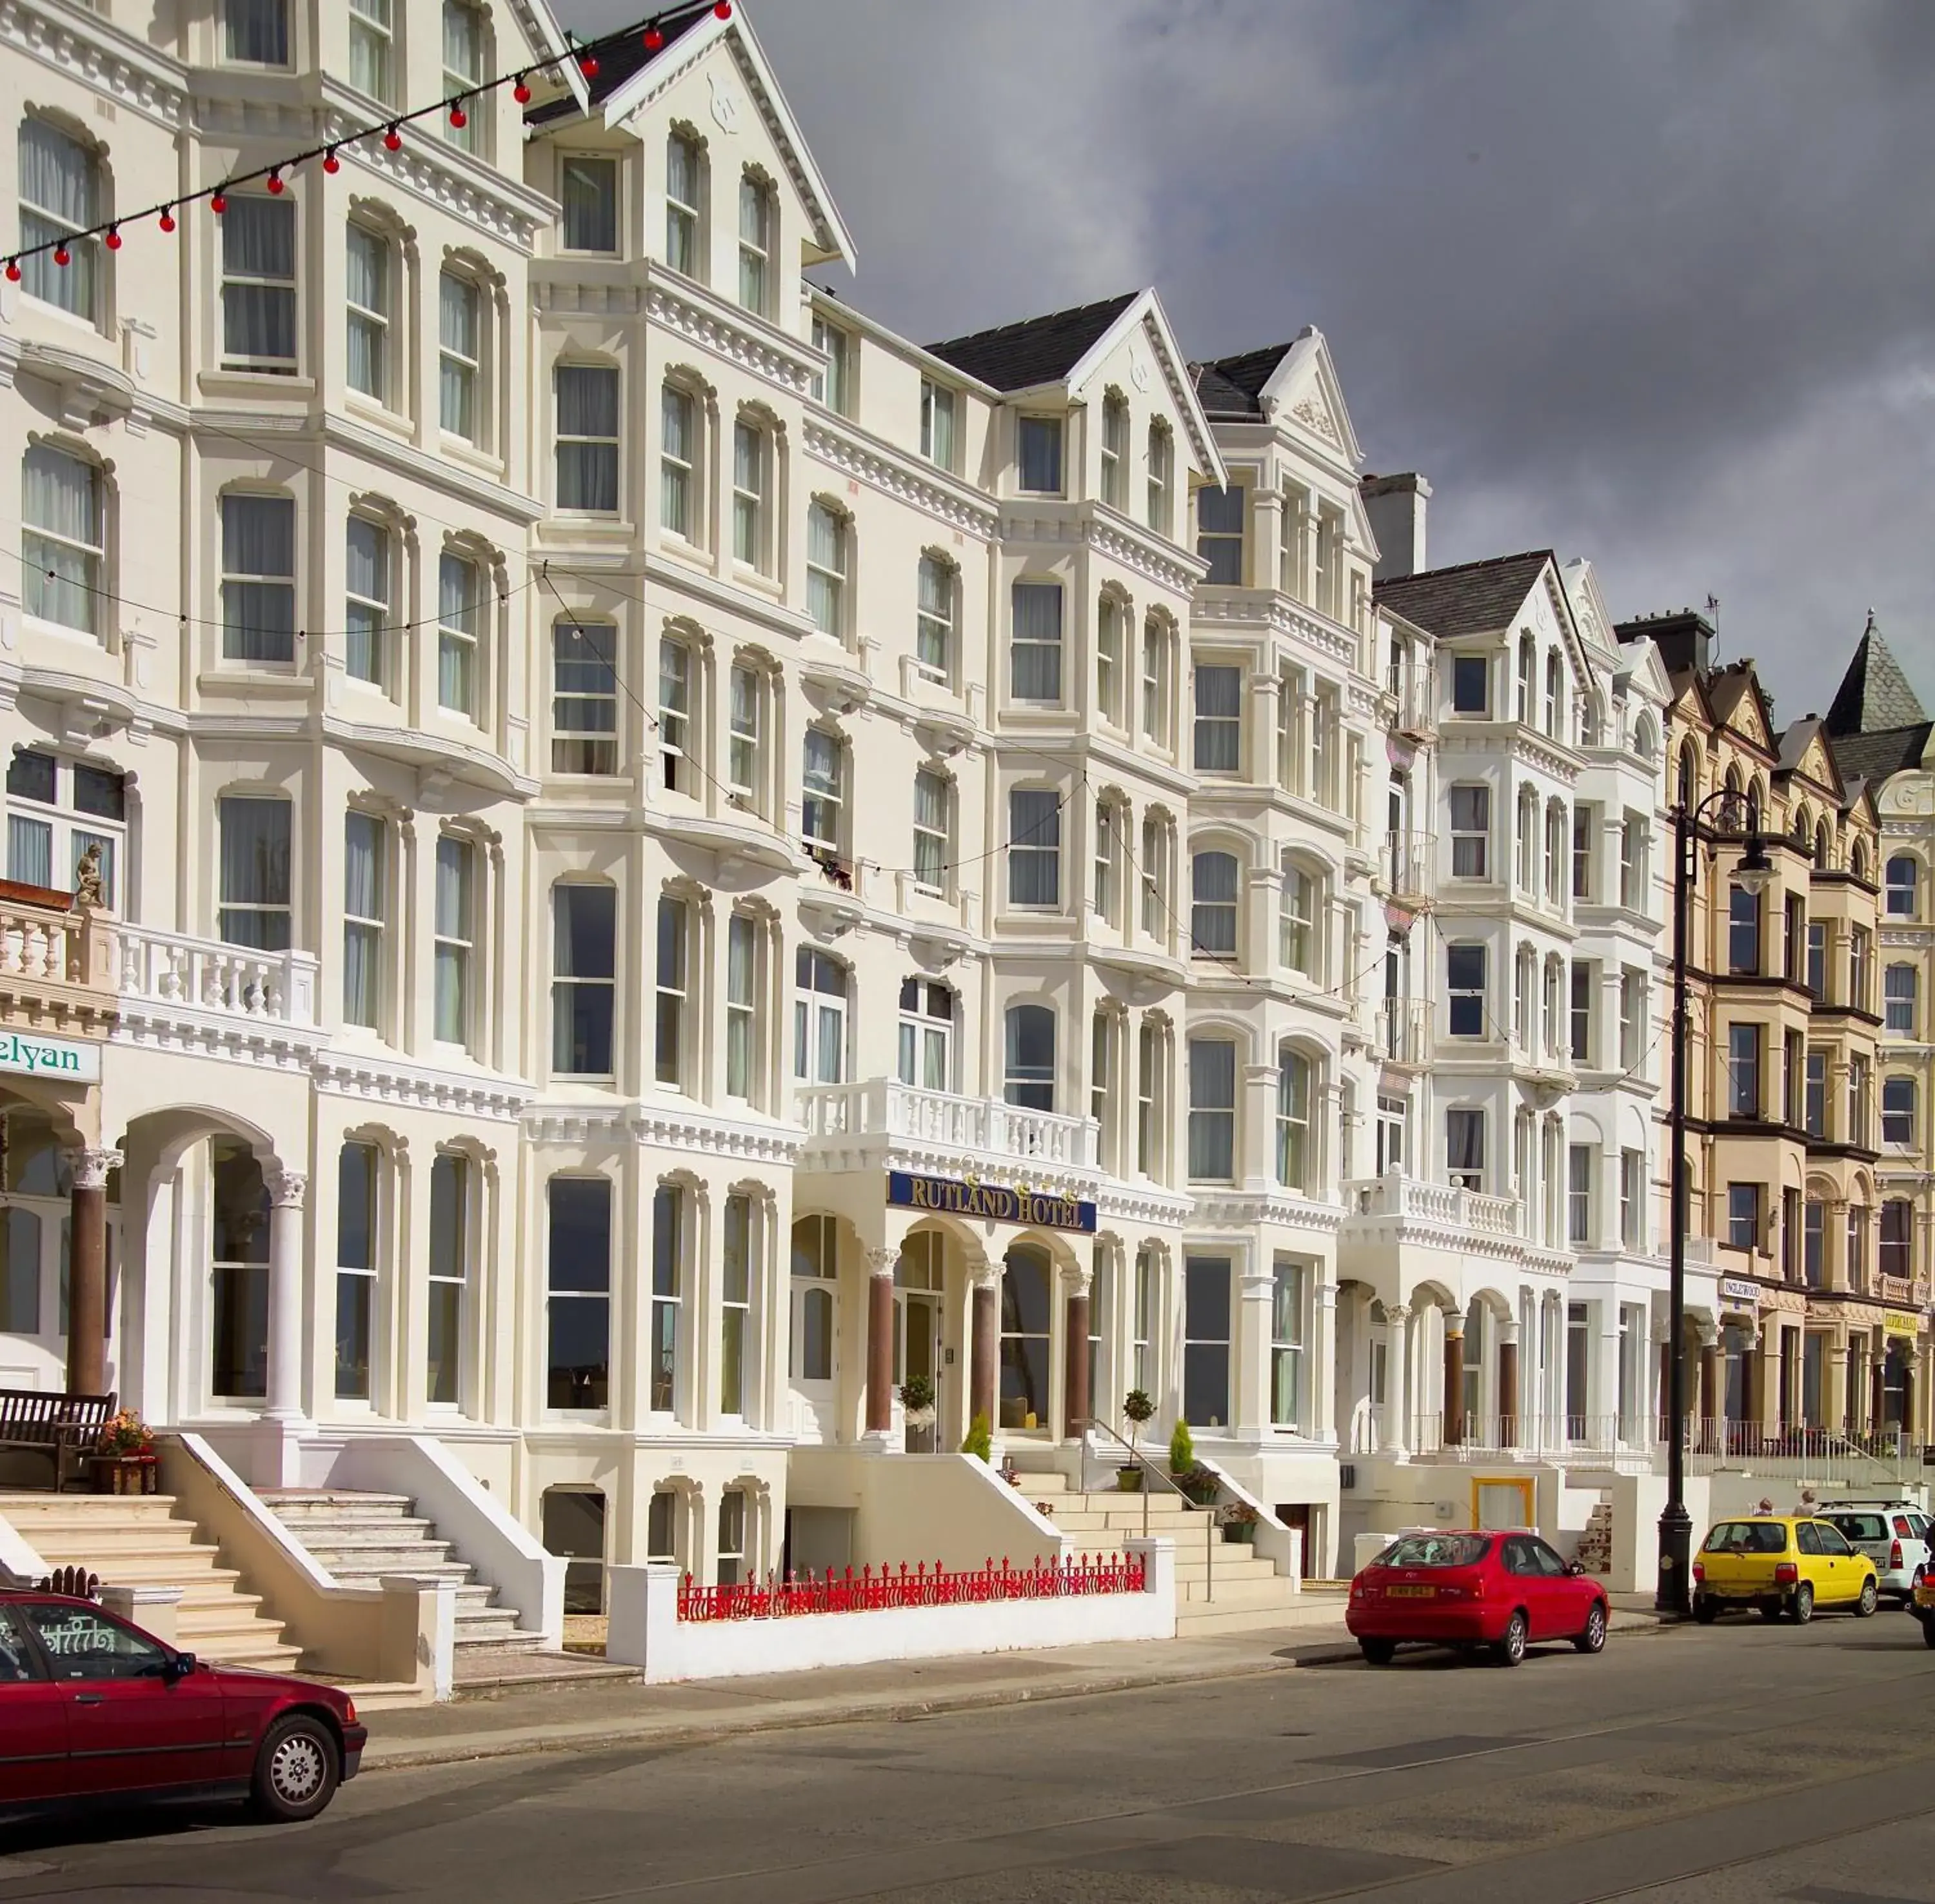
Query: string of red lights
{"points": [[651, 32]]}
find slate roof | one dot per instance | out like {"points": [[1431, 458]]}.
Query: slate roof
{"points": [[1474, 597], [1041, 350], [1233, 386], [617, 63], [1873, 757], [1874, 696]]}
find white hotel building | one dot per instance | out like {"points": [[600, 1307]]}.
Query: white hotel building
{"points": [[488, 609]]}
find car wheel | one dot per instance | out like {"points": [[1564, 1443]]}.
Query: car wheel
{"points": [[1800, 1608], [1864, 1607], [1510, 1649], [297, 1768], [1593, 1639], [1705, 1610], [1378, 1653]]}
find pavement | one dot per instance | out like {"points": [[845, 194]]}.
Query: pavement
{"points": [[570, 1716], [1745, 1763]]}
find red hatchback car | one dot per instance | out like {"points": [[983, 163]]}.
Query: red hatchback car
{"points": [[94, 1710], [1501, 1591]]}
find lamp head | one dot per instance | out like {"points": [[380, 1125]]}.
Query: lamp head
{"points": [[1755, 870]]}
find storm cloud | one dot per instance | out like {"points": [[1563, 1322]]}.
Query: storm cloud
{"points": [[1648, 280]]}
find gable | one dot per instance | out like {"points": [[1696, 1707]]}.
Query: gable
{"points": [[1304, 392], [699, 69], [1143, 327]]}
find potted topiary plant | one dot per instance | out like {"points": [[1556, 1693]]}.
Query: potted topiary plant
{"points": [[980, 1441], [917, 1399], [1181, 1450], [1138, 1410]]}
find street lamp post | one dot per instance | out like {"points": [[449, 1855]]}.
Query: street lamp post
{"points": [[1673, 1593]]}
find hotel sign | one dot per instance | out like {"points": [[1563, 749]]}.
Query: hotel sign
{"points": [[56, 1058], [1737, 1289], [992, 1202], [1904, 1327]]}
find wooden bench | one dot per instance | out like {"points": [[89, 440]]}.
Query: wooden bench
{"points": [[57, 1425]]}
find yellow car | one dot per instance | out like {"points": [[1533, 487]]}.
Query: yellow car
{"points": [[1787, 1564]]}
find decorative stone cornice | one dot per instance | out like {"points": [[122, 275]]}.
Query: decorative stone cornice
{"points": [[92, 54], [378, 1079], [1280, 615], [1238, 1208], [873, 464], [769, 354], [667, 1127], [1144, 556]]}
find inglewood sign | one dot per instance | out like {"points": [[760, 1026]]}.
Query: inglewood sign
{"points": [[993, 1202]]}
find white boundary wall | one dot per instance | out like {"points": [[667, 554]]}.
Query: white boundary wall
{"points": [[647, 1632]]}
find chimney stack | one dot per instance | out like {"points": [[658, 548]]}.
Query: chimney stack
{"points": [[1395, 507]]}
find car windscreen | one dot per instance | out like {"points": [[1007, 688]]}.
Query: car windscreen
{"points": [[1748, 1536], [1859, 1527], [1435, 1550]]}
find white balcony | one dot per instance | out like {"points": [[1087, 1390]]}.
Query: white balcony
{"points": [[1395, 1195], [1409, 869], [1416, 694], [1402, 1033], [883, 1116], [190, 994], [56, 965]]}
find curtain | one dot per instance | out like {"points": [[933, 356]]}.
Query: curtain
{"points": [[1035, 652], [368, 586], [258, 616], [255, 874], [60, 496], [30, 851], [457, 605], [57, 198], [675, 461], [938, 407], [935, 614], [258, 31], [370, 47], [590, 200], [367, 291], [588, 410], [1219, 709], [363, 913], [1465, 1140], [259, 292], [826, 567], [453, 934], [457, 329], [462, 42]]}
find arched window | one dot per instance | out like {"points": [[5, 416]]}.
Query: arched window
{"points": [[1823, 844], [1554, 694], [1298, 914], [1161, 459], [587, 427], [752, 490], [1689, 778], [1212, 1110], [585, 942], [1527, 658], [679, 472], [1212, 911], [926, 1033], [368, 294], [1034, 846], [1897, 1110], [1753, 807], [816, 1269], [369, 604], [933, 640], [1858, 860], [63, 538], [1292, 1119], [1029, 1070], [756, 242], [1898, 1238], [819, 1017], [1646, 737], [1899, 986], [60, 194], [829, 536], [685, 164], [1903, 878], [258, 576], [823, 806]]}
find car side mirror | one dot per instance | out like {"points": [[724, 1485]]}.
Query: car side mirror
{"points": [[179, 1665], [1575, 1567]]}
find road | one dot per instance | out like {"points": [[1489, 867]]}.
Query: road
{"points": [[1744, 1761]]}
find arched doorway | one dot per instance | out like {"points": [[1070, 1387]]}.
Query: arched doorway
{"points": [[1026, 1402]]}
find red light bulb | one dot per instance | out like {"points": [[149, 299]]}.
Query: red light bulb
{"points": [[12, 270], [113, 241], [275, 183], [521, 93], [393, 141], [217, 204], [724, 10], [331, 163], [459, 118], [167, 220], [588, 65], [63, 255], [654, 39]]}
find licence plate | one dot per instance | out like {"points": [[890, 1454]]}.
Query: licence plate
{"points": [[1411, 1593]]}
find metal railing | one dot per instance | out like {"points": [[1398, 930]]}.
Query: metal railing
{"points": [[1168, 1480]]}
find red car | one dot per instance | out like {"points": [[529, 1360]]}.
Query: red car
{"points": [[93, 1710], [1502, 1591]]}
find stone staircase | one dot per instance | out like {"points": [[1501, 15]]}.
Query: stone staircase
{"points": [[356, 1538], [1220, 1587], [142, 1540]]}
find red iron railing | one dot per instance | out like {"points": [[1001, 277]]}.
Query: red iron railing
{"points": [[921, 1585]]}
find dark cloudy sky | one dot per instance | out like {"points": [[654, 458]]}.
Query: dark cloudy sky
{"points": [[1648, 280]]}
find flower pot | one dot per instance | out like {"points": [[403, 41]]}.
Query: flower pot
{"points": [[1242, 1534], [1129, 1481], [920, 1437]]}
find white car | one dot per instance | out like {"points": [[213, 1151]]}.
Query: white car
{"points": [[1897, 1537]]}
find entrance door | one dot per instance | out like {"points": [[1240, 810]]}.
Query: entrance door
{"points": [[812, 1361], [920, 1340]]}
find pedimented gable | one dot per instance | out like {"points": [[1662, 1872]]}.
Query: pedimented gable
{"points": [[716, 75], [1304, 391], [1138, 352], [1817, 765], [1748, 718]]}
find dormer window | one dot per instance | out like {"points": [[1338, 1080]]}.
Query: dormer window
{"points": [[256, 32], [590, 195], [1038, 441]]}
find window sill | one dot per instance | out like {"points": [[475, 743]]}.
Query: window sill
{"points": [[60, 631], [468, 455], [241, 678], [226, 382], [365, 409], [757, 580]]}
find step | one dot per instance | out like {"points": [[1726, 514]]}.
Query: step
{"points": [[384, 1556], [512, 1642], [1224, 1566], [397, 1526], [445, 1570], [301, 1500], [1198, 1620], [1270, 1592]]}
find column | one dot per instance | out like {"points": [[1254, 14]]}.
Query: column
{"points": [[1454, 1417], [1076, 1400], [1321, 1357], [880, 1340], [1709, 1389], [287, 1189], [1394, 1435], [87, 1271], [984, 1353], [1508, 1385]]}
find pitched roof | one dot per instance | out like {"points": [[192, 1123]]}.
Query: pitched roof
{"points": [[1041, 350], [1233, 386], [618, 60], [1873, 757], [1472, 598], [1874, 694]]}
